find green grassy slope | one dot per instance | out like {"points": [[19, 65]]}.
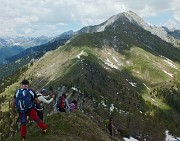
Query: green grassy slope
{"points": [[66, 126], [100, 82]]}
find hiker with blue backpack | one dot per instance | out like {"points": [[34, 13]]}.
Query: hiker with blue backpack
{"points": [[43, 99], [24, 103]]}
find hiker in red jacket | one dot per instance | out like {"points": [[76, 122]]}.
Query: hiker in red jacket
{"points": [[24, 103]]}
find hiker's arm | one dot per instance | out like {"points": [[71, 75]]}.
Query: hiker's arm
{"points": [[48, 96], [67, 104], [41, 98], [36, 100]]}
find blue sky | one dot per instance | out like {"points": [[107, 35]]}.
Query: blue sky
{"points": [[50, 18], [160, 19]]}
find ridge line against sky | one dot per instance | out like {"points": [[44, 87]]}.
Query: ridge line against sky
{"points": [[50, 18]]}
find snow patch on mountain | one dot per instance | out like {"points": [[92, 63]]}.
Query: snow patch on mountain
{"points": [[110, 64], [38, 74], [170, 63], [103, 103], [52, 65], [130, 139], [115, 59], [79, 55], [109, 53], [146, 86], [170, 137], [132, 83], [123, 112], [82, 53], [153, 100], [170, 74], [112, 108], [74, 88]]}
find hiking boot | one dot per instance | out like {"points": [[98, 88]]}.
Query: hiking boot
{"points": [[44, 131]]}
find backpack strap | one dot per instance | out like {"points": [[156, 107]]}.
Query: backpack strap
{"points": [[17, 93], [30, 91]]}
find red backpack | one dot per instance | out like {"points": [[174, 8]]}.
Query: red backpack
{"points": [[61, 102]]}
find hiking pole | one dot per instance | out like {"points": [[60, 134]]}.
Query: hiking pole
{"points": [[54, 100], [14, 125], [52, 91]]}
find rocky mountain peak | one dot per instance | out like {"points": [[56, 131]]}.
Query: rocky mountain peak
{"points": [[130, 15], [134, 18], [171, 36]]}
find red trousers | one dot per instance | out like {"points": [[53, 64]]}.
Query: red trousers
{"points": [[33, 115]]}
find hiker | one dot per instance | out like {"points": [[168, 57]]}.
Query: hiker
{"points": [[62, 104], [62, 90], [108, 124], [43, 99], [24, 103], [73, 105]]}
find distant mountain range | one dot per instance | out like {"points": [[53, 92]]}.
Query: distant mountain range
{"points": [[10, 46], [14, 63], [24, 42]]}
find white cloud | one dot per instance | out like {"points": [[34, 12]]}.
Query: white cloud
{"points": [[47, 17], [171, 23]]}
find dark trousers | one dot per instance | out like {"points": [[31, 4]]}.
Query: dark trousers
{"points": [[110, 130], [40, 114], [62, 110]]}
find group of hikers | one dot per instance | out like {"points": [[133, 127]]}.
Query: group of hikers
{"points": [[28, 103]]}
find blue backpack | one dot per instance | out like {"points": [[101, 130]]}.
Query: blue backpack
{"points": [[24, 100]]}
